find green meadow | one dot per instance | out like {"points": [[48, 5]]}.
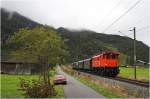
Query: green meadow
{"points": [[10, 85], [142, 73]]}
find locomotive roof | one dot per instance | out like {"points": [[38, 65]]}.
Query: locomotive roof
{"points": [[87, 59], [104, 53], [111, 52], [83, 60]]}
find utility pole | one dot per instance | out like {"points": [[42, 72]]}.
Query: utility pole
{"points": [[134, 30]]}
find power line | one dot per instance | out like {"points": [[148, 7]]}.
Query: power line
{"points": [[127, 35], [122, 33], [143, 28], [110, 12], [121, 16], [139, 22]]}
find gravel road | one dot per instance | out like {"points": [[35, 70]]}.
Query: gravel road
{"points": [[75, 89]]}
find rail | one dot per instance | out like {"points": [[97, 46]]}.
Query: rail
{"points": [[132, 81], [127, 80]]}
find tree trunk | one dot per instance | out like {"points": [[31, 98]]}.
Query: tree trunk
{"points": [[45, 73]]}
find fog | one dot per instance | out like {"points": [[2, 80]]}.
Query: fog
{"points": [[96, 15]]}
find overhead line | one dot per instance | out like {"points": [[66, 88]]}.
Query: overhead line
{"points": [[123, 34], [139, 22], [121, 16], [110, 11], [142, 28]]}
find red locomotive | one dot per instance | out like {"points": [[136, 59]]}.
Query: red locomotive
{"points": [[105, 64]]}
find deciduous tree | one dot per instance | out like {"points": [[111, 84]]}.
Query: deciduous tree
{"points": [[40, 45]]}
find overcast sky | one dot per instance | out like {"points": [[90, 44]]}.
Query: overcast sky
{"points": [[96, 15]]}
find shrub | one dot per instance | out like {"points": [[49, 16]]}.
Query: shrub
{"points": [[36, 89]]}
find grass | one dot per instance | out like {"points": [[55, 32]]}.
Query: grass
{"points": [[142, 73], [59, 91], [10, 85]]}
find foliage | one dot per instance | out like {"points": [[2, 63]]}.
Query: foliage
{"points": [[59, 91], [35, 89], [30, 44], [39, 89], [40, 44]]}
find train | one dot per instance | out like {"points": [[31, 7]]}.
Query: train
{"points": [[104, 64]]}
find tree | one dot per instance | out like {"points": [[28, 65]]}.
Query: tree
{"points": [[40, 45]]}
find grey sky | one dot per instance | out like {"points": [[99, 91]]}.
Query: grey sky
{"points": [[94, 15]]}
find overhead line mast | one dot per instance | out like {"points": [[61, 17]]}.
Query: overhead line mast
{"points": [[134, 30]]}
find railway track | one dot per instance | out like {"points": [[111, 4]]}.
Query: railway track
{"points": [[131, 81]]}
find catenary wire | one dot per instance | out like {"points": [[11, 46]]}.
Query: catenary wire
{"points": [[143, 28], [121, 16], [110, 12]]}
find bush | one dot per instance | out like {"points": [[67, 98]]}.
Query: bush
{"points": [[36, 89]]}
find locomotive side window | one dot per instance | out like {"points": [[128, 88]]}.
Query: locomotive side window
{"points": [[104, 56], [107, 57], [99, 58], [110, 56], [113, 56]]}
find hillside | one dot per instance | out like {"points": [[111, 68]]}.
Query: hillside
{"points": [[11, 22], [81, 44]]}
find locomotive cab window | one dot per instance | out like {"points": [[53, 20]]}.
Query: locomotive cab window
{"points": [[113, 56], [110, 56], [107, 56]]}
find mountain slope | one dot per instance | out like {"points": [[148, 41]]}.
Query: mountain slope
{"points": [[11, 22], [83, 44]]}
